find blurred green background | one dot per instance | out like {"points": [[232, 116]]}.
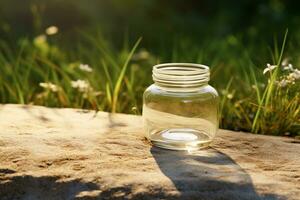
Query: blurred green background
{"points": [[235, 38], [159, 22]]}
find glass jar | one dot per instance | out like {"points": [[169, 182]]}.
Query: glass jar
{"points": [[180, 110]]}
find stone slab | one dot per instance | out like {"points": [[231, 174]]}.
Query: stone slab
{"points": [[48, 153]]}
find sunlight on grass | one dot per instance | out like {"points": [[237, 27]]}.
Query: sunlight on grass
{"points": [[96, 75]]}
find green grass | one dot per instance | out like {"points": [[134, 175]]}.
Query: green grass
{"points": [[250, 101]]}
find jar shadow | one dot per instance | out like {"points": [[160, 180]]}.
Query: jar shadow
{"points": [[206, 174]]}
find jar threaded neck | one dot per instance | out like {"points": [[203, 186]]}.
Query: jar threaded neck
{"points": [[180, 75]]}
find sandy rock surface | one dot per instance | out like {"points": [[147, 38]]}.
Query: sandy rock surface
{"points": [[73, 154]]}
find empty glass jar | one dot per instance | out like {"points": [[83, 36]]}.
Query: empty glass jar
{"points": [[180, 110]]}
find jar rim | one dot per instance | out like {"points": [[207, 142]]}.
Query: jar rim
{"points": [[181, 64], [192, 68], [180, 74]]}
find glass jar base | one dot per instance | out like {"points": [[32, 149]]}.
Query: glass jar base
{"points": [[180, 139]]}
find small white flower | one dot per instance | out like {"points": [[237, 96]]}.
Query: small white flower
{"points": [[141, 55], [283, 83], [51, 30], [85, 67], [269, 68], [290, 77], [229, 96], [50, 86], [81, 85], [285, 62], [288, 67], [134, 108], [144, 54], [295, 74], [40, 39]]}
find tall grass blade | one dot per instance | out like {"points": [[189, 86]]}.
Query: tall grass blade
{"points": [[121, 76]]}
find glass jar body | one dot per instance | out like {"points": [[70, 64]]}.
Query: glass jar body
{"points": [[180, 118]]}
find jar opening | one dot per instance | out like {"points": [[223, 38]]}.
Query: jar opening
{"points": [[180, 75]]}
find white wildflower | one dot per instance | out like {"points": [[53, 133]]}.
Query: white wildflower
{"points": [[134, 109], [283, 83], [229, 96], [141, 55], [295, 74], [269, 68], [285, 62], [50, 86], [144, 54], [289, 79], [85, 67], [81, 85], [51, 30], [288, 67], [40, 39]]}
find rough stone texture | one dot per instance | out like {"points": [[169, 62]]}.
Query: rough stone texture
{"points": [[73, 154]]}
